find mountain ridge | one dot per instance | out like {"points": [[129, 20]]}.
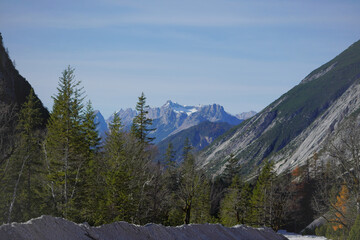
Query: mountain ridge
{"points": [[284, 126], [173, 117]]}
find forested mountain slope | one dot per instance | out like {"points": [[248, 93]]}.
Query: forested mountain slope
{"points": [[295, 126], [200, 136]]}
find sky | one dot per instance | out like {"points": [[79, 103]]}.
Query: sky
{"points": [[242, 55]]}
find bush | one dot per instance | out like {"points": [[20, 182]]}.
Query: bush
{"points": [[355, 230]]}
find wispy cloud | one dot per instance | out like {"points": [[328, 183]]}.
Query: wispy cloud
{"points": [[187, 13]]}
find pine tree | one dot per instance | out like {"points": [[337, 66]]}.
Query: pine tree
{"points": [[65, 143], [235, 207], [25, 175], [88, 193], [141, 126], [117, 204], [259, 200], [169, 156], [201, 202], [187, 149]]}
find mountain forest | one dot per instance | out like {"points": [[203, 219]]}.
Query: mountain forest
{"points": [[295, 162]]}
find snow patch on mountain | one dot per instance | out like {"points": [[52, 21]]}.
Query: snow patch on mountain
{"points": [[181, 108]]}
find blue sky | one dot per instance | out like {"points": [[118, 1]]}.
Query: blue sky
{"points": [[240, 54]]}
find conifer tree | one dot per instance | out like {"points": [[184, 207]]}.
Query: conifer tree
{"points": [[170, 155], [259, 200], [235, 207], [201, 202], [65, 143], [86, 200], [117, 204], [26, 176], [141, 126]]}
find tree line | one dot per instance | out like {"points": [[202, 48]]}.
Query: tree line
{"points": [[67, 170]]}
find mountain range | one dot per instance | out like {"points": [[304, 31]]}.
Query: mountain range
{"points": [[172, 118], [298, 124]]}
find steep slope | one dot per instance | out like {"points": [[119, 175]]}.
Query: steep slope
{"points": [[13, 87], [172, 118], [246, 115], [200, 136], [296, 125]]}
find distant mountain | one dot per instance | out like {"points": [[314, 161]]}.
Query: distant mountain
{"points": [[102, 126], [172, 118], [200, 136], [295, 126], [246, 115]]}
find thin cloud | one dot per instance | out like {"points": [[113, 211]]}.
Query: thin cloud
{"points": [[187, 14]]}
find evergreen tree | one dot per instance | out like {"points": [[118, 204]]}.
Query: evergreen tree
{"points": [[187, 149], [65, 143], [117, 204], [232, 169], [141, 126], [194, 193], [25, 176], [261, 193], [201, 201], [170, 155], [235, 206], [89, 186]]}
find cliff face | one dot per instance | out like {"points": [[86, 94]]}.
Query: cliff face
{"points": [[13, 87], [294, 127]]}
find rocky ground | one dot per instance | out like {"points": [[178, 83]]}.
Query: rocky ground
{"points": [[47, 227]]}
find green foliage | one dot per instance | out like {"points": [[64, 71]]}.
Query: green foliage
{"points": [[169, 156], [198, 136], [355, 230], [117, 204], [89, 184], [260, 196], [141, 124], [328, 231], [22, 186], [65, 142], [236, 207]]}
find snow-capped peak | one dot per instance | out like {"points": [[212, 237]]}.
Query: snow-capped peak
{"points": [[180, 108]]}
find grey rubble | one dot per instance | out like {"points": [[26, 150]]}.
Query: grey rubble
{"points": [[47, 227]]}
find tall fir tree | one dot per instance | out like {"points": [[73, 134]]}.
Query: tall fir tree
{"points": [[89, 185], [65, 142], [117, 204], [141, 126]]}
